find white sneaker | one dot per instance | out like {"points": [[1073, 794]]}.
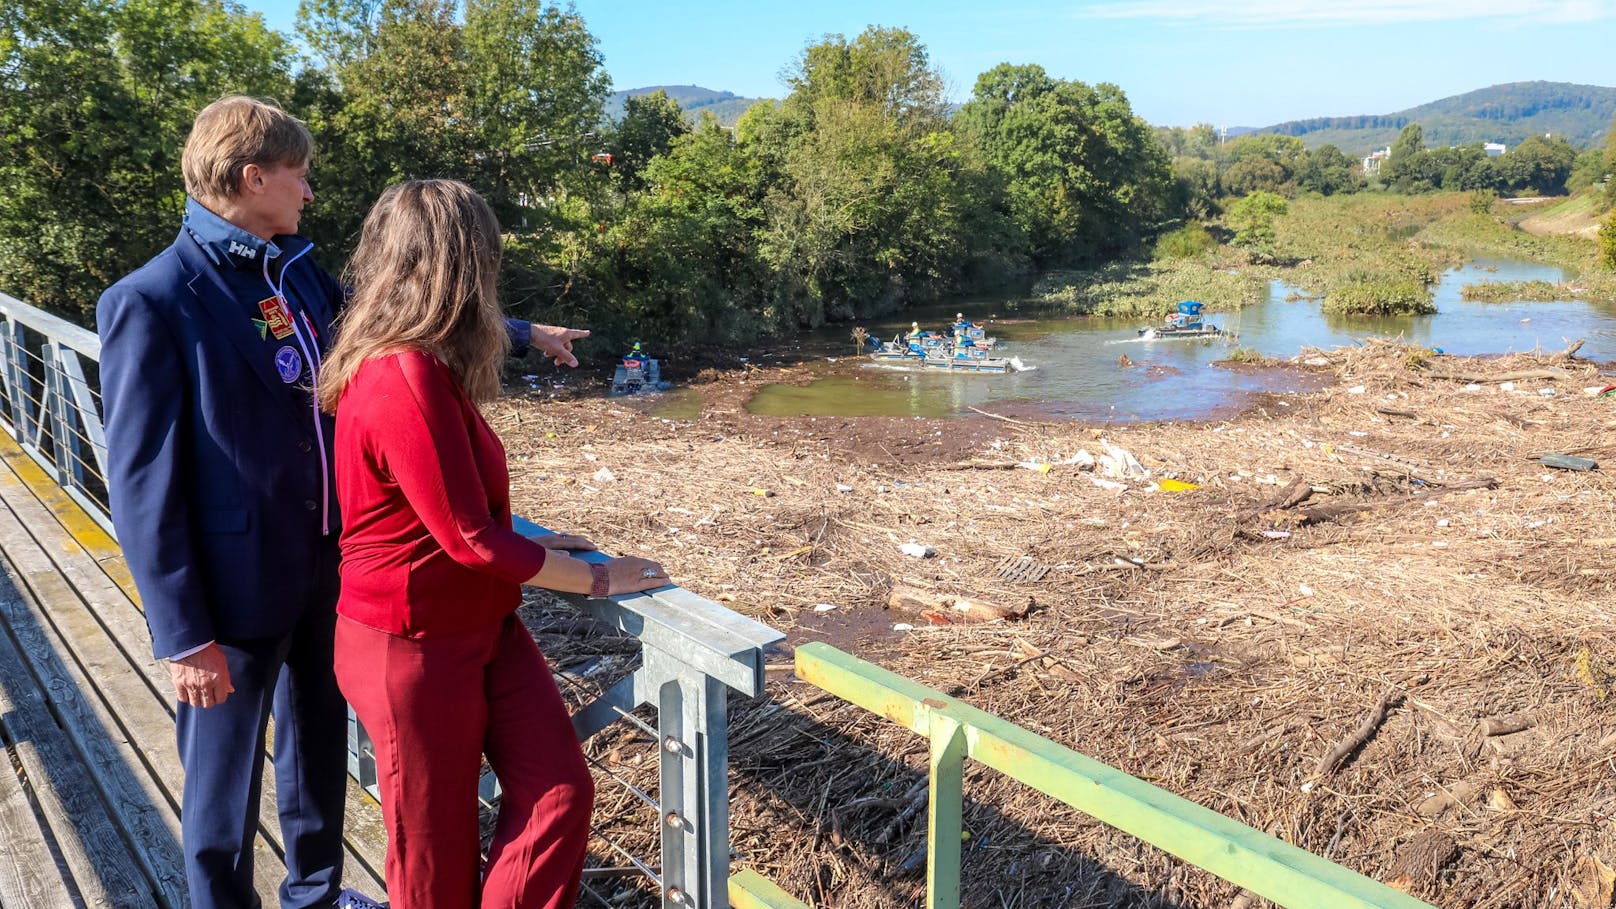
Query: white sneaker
{"points": [[353, 899]]}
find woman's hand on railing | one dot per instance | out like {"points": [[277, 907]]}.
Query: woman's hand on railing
{"points": [[566, 542], [626, 574], [631, 574]]}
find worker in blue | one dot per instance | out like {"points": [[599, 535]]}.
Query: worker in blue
{"points": [[220, 483]]}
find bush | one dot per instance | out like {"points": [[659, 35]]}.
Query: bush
{"points": [[1513, 292], [1607, 240], [1187, 242], [1149, 289], [1252, 218], [1383, 297]]}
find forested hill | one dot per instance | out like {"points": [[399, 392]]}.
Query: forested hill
{"points": [[1581, 114], [693, 99]]}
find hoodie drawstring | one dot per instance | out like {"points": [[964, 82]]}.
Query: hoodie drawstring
{"points": [[311, 355]]}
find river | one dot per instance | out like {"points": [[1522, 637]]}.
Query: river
{"points": [[1078, 371]]}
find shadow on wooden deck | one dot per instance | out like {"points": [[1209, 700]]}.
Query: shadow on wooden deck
{"points": [[89, 815]]}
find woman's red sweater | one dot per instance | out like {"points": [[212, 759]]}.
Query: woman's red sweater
{"points": [[427, 544]]}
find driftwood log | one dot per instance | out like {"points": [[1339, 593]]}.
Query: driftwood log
{"points": [[948, 609], [1479, 379]]}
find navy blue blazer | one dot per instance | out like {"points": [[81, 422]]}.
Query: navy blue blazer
{"points": [[215, 474]]}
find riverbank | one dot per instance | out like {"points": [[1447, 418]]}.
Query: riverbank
{"points": [[1371, 253], [1387, 541]]}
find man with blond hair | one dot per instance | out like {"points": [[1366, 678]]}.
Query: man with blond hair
{"points": [[219, 474]]}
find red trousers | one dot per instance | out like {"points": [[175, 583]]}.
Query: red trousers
{"points": [[433, 707]]}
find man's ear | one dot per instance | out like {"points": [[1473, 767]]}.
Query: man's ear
{"points": [[252, 179]]}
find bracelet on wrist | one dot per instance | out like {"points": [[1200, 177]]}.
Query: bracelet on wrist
{"points": [[600, 585]]}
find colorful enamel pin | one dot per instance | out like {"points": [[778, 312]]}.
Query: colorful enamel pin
{"points": [[288, 364], [275, 317]]}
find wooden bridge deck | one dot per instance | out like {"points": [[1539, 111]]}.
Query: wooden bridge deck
{"points": [[89, 810]]}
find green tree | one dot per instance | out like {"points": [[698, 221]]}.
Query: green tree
{"points": [[682, 263], [887, 68], [1198, 141], [867, 209], [1085, 176], [1255, 174], [533, 96], [507, 99], [1252, 218], [1607, 242], [382, 116], [1610, 164], [1405, 168], [1196, 183], [1586, 170], [1463, 168], [1328, 171], [649, 127], [1262, 162], [1537, 165], [96, 99], [1610, 148]]}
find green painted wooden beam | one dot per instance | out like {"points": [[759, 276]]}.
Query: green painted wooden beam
{"points": [[1268, 867], [750, 890]]}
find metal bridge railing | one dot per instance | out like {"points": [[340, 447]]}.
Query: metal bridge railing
{"points": [[693, 652], [1263, 864], [50, 405]]}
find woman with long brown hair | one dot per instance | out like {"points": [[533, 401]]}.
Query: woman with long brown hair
{"points": [[429, 651]]}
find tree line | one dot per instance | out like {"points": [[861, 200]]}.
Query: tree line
{"points": [[1208, 171], [855, 194]]}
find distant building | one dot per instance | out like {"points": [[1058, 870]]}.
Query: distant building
{"points": [[1494, 149], [1371, 163]]}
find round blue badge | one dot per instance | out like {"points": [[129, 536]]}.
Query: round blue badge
{"points": [[288, 364]]}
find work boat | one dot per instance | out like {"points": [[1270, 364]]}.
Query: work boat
{"points": [[912, 349], [938, 356], [969, 364], [637, 373], [1186, 323]]}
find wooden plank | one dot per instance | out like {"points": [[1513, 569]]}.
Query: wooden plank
{"points": [[78, 549], [366, 838], [83, 528], [29, 877], [121, 767], [120, 704], [80, 824]]}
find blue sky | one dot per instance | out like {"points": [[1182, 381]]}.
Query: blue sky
{"points": [[1180, 61]]}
